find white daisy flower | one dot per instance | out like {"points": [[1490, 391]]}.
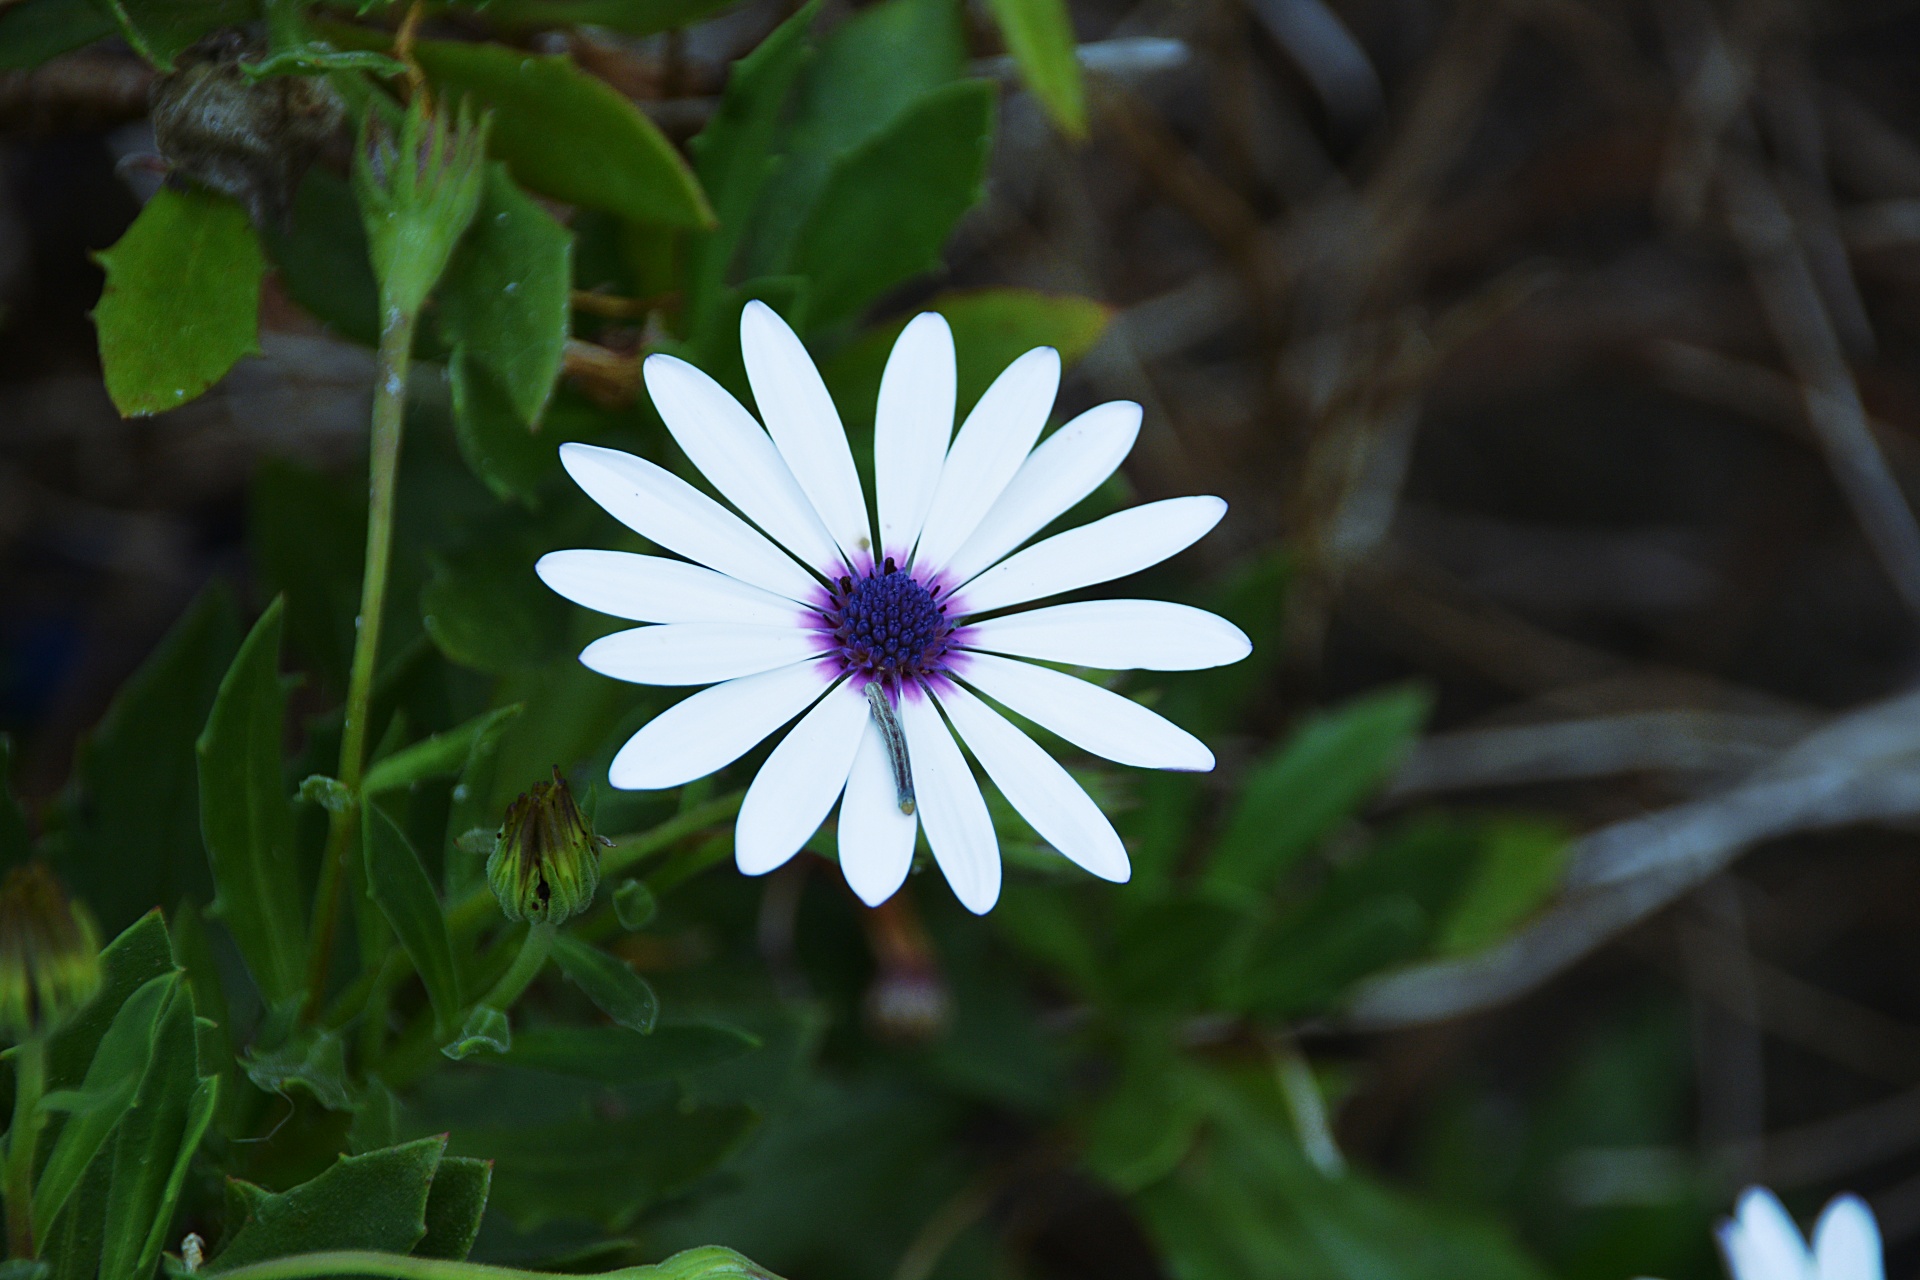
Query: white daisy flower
{"points": [[1760, 1241], [880, 638]]}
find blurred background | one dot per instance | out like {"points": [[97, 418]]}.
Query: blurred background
{"points": [[1568, 354]]}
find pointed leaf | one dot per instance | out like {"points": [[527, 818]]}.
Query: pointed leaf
{"points": [[441, 756], [1039, 34], [400, 885], [182, 300], [455, 1204], [246, 817], [140, 954], [374, 1201], [609, 982]]}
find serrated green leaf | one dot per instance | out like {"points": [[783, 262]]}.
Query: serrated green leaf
{"points": [[134, 774], [36, 30], [155, 1141], [441, 756], [1039, 34], [610, 982], [455, 1204], [733, 156], [568, 134], [246, 817], [162, 30], [374, 1201], [115, 1072], [181, 303], [398, 882], [504, 298], [887, 208], [1314, 781], [616, 1055]]}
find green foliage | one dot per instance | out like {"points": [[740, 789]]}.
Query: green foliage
{"points": [[615, 989], [404, 892], [1039, 34], [372, 1201], [182, 300], [36, 30], [161, 30]]}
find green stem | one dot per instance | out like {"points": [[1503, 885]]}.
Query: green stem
{"points": [[23, 1138], [710, 1263], [383, 469], [525, 967]]}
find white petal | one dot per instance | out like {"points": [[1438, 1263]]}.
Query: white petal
{"points": [[1115, 635], [912, 424], [799, 782], [715, 727], [1034, 783], [1122, 543], [991, 445], [721, 438], [697, 652], [664, 509], [656, 589], [1069, 464], [1846, 1242], [1091, 718], [948, 801], [1761, 1242], [876, 839], [804, 424]]}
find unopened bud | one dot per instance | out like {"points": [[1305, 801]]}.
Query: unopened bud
{"points": [[545, 863], [49, 954]]}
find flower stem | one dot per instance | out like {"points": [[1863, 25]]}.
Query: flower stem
{"points": [[711, 1263], [525, 967], [383, 469], [29, 1083]]}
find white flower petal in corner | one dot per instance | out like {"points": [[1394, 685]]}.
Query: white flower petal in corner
{"points": [[876, 835], [697, 652], [656, 589], [1846, 1242], [663, 508], [912, 424], [721, 438], [1034, 784], [804, 424], [991, 444], [1115, 635], [799, 782], [1123, 543], [715, 727], [1091, 718], [949, 802]]}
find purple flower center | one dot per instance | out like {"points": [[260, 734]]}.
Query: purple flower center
{"points": [[887, 625]]}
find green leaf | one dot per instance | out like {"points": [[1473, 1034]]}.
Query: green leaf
{"points": [[603, 1169], [181, 303], [318, 56], [156, 1141], [634, 905], [36, 30], [111, 1079], [733, 155], [1305, 967], [886, 209], [162, 30], [485, 1028], [870, 70], [140, 954], [487, 610], [441, 756], [510, 459], [398, 882], [373, 1201], [455, 1204], [628, 17], [133, 780], [313, 1059], [321, 255], [504, 299], [1518, 868], [991, 329], [1039, 34], [246, 818], [568, 134], [73, 1245], [609, 982], [616, 1055], [1315, 780], [1144, 1125]]}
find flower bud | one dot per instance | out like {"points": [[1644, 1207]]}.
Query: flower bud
{"points": [[49, 954], [545, 863]]}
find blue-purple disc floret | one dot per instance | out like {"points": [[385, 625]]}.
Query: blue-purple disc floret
{"points": [[887, 626]]}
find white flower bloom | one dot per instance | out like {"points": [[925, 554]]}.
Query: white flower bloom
{"points": [[1760, 1241], [874, 638]]}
